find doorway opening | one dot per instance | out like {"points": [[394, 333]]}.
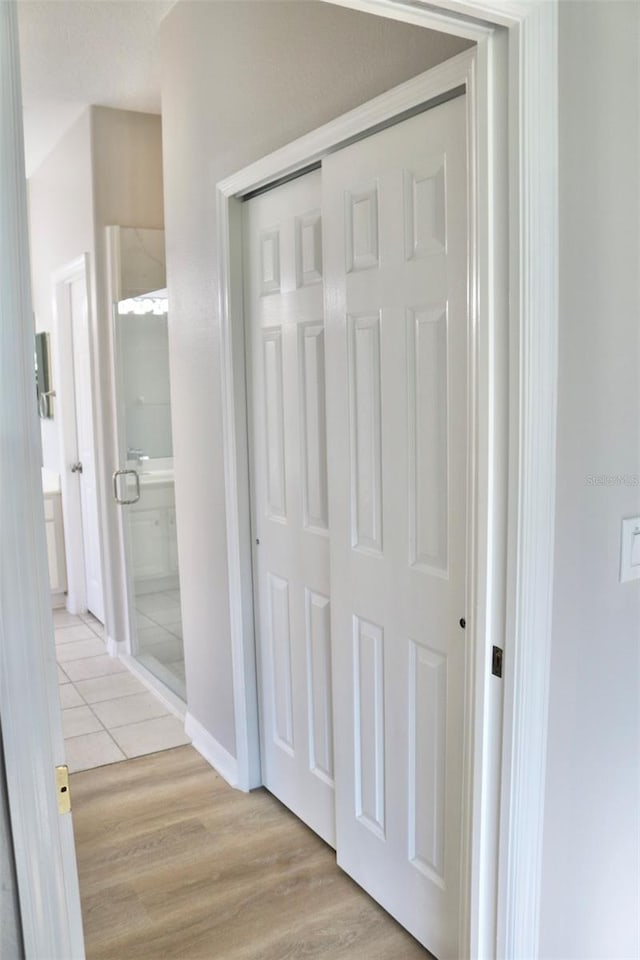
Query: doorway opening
{"points": [[358, 355], [107, 713], [78, 476], [381, 485]]}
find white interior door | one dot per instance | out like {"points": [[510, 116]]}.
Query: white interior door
{"points": [[77, 289], [395, 221], [32, 743], [285, 332]]}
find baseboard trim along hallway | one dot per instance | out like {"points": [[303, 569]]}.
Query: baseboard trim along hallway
{"points": [[212, 751]]}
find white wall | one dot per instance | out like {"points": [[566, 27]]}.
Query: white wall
{"points": [[591, 874], [61, 229], [239, 80]]}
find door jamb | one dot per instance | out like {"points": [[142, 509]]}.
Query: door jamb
{"points": [[486, 452], [525, 590]]}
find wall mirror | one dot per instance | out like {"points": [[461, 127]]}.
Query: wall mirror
{"points": [[142, 338]]}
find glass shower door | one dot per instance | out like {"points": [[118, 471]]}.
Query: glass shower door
{"points": [[143, 486]]}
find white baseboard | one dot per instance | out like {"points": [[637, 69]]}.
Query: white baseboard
{"points": [[113, 647], [212, 751], [75, 604]]}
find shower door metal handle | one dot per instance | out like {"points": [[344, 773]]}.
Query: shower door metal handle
{"points": [[125, 473]]}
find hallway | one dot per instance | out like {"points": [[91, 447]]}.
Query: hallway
{"points": [[174, 864]]}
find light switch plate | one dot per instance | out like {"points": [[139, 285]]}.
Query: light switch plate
{"points": [[630, 550]]}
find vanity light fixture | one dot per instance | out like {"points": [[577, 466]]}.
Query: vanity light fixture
{"points": [[142, 305]]}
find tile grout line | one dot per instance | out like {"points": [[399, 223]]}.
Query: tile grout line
{"points": [[102, 729], [91, 656]]}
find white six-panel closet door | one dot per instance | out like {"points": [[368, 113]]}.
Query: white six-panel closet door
{"points": [[285, 335], [395, 224], [377, 635]]}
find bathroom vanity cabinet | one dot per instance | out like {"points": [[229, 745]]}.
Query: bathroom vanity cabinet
{"points": [[54, 532], [152, 526]]}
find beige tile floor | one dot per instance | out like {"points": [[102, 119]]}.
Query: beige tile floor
{"points": [[107, 714]]}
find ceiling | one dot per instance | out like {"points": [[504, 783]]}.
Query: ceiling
{"points": [[80, 52]]}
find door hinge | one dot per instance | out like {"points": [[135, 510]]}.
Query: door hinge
{"points": [[496, 662], [62, 789]]}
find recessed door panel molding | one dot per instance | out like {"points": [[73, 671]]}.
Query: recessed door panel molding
{"points": [[425, 209], [309, 249], [274, 409], [427, 758], [368, 699], [366, 437], [362, 243], [318, 631], [288, 464], [279, 617], [270, 261], [427, 449], [314, 425]]}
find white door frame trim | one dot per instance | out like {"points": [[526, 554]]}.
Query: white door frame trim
{"points": [[527, 415]]}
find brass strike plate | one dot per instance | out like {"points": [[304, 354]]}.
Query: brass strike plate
{"points": [[62, 789]]}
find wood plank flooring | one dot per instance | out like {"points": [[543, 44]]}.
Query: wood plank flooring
{"points": [[175, 865]]}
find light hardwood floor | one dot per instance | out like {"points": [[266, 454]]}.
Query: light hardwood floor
{"points": [[175, 865]]}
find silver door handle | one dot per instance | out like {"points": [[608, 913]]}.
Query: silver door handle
{"points": [[44, 403], [125, 473]]}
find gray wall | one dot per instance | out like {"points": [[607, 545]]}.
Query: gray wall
{"points": [[239, 80], [591, 870], [10, 926]]}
